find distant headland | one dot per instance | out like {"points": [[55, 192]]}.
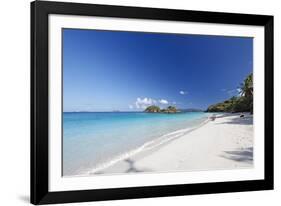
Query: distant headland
{"points": [[242, 103]]}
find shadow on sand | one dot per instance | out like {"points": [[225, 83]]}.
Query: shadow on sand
{"points": [[239, 121], [240, 155], [133, 168]]}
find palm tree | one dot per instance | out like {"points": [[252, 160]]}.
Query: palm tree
{"points": [[247, 86], [247, 93]]}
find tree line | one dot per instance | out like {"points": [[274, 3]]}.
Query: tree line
{"points": [[241, 103]]}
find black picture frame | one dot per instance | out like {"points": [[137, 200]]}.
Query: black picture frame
{"points": [[39, 102]]}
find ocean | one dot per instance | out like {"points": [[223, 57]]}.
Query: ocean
{"points": [[95, 140]]}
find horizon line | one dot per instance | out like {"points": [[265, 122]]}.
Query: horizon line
{"points": [[126, 110]]}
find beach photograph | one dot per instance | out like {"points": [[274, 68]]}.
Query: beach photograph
{"points": [[141, 102]]}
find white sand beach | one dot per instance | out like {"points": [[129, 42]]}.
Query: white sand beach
{"points": [[225, 143]]}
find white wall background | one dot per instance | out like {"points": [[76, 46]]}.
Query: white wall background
{"points": [[14, 101]]}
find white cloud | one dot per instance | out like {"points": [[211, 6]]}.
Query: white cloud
{"points": [[183, 92], [131, 106], [163, 101], [145, 102]]}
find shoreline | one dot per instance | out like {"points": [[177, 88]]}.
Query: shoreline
{"points": [[225, 143], [146, 148]]}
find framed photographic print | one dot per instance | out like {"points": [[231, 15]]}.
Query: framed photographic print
{"points": [[131, 102]]}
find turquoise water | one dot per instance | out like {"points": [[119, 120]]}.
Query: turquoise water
{"points": [[94, 140]]}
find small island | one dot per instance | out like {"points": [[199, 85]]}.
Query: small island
{"points": [[156, 109]]}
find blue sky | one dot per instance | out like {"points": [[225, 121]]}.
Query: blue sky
{"points": [[128, 71]]}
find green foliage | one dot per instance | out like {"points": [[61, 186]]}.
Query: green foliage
{"points": [[153, 109], [244, 103], [247, 86], [156, 109], [170, 109]]}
